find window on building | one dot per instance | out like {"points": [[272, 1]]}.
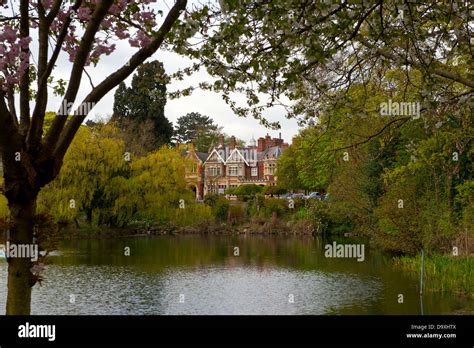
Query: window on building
{"points": [[254, 171], [214, 171], [233, 171], [270, 168]]}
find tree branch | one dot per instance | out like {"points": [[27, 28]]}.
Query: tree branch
{"points": [[36, 129], [11, 105], [25, 77], [10, 141], [76, 74], [370, 137], [114, 79], [436, 71], [54, 11]]}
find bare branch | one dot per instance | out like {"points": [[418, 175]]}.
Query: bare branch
{"points": [[89, 78]]}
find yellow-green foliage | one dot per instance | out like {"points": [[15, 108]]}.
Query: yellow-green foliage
{"points": [[110, 189], [93, 160], [4, 212], [157, 185]]}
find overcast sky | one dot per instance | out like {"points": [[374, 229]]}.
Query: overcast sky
{"points": [[204, 102]]}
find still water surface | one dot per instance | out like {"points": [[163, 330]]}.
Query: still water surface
{"points": [[201, 275]]}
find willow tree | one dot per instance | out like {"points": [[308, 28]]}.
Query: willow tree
{"points": [[85, 30]]}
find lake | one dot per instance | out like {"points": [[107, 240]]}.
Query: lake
{"points": [[208, 275]]}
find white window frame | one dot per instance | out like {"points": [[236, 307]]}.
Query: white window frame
{"points": [[233, 170], [214, 171]]}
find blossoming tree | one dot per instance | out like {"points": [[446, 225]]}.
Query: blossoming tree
{"points": [[85, 30], [306, 51]]}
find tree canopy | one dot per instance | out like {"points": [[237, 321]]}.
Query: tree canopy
{"points": [[144, 102], [407, 185], [303, 54], [197, 129]]}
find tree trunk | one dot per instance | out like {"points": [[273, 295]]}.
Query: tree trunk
{"points": [[20, 278]]}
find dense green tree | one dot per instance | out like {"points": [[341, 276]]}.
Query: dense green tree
{"points": [[396, 178], [287, 170], [247, 191], [197, 129], [144, 101], [274, 190], [96, 162], [120, 189]]}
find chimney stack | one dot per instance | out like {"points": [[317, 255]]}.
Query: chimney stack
{"points": [[221, 140], [232, 142], [260, 144], [268, 141]]}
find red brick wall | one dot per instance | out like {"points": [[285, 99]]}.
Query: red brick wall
{"points": [[260, 170]]}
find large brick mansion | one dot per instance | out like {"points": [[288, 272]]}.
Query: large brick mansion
{"points": [[229, 165]]}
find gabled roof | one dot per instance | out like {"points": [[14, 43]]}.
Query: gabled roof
{"points": [[240, 155], [217, 153], [202, 155]]}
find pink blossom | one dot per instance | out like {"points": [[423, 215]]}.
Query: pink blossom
{"points": [[8, 34], [122, 33], [114, 9], [144, 16], [24, 42], [84, 13], [47, 3], [134, 42], [11, 80], [143, 39], [106, 23], [102, 49]]}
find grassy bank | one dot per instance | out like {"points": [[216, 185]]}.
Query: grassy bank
{"points": [[443, 273]]}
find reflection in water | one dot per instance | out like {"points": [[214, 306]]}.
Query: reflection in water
{"points": [[201, 275]]}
